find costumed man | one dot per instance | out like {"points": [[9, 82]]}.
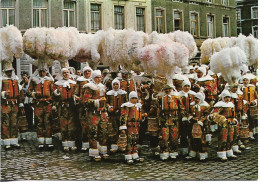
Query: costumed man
{"points": [[187, 97], [107, 80], [83, 119], [150, 123], [206, 84], [171, 112], [131, 116], [41, 88], [25, 121], [198, 119], [95, 102], [250, 108], [237, 100], [11, 102], [223, 115], [126, 83], [115, 98], [65, 94]]}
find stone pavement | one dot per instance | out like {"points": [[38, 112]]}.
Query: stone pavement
{"points": [[28, 163]]}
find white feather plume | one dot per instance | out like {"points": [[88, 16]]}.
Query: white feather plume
{"points": [[11, 43], [228, 62]]}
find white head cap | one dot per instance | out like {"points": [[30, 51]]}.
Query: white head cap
{"points": [[224, 94], [116, 81], [203, 70], [132, 94], [64, 69], [87, 68], [200, 96], [95, 73], [186, 82], [246, 77]]}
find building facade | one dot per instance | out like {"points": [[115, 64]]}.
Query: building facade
{"points": [[202, 18], [247, 17], [86, 15]]}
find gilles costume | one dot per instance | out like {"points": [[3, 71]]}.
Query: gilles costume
{"points": [[131, 116], [250, 108], [95, 102], [115, 98], [65, 95], [83, 119], [199, 113], [224, 116], [171, 112], [11, 102], [41, 89], [185, 127]]}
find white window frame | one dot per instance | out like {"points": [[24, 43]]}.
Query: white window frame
{"points": [[238, 12], [253, 32], [8, 9], [47, 11], [100, 16], [163, 18], [198, 23], [213, 26], [223, 31], [224, 2], [123, 23], [144, 16], [69, 10], [239, 28], [182, 18], [252, 12]]}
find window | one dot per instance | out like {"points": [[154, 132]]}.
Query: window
{"points": [[225, 27], [254, 12], [225, 2], [239, 30], [177, 22], [209, 1], [210, 21], [95, 17], [69, 14], [40, 15], [140, 23], [238, 14], [119, 17], [255, 31], [160, 24], [7, 8], [194, 24]]}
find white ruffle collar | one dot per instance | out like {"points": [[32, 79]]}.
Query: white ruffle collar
{"points": [[129, 104], [224, 104], [38, 79], [185, 94], [65, 83], [82, 79], [205, 78], [115, 93]]}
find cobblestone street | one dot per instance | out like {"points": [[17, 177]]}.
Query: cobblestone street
{"points": [[28, 163]]}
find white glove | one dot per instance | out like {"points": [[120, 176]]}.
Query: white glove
{"points": [[33, 95], [122, 128], [184, 119], [21, 105], [200, 123], [3, 95]]}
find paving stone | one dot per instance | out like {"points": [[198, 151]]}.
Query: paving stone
{"points": [[30, 164]]}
